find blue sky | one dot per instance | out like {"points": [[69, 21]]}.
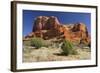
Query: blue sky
{"points": [[63, 17]]}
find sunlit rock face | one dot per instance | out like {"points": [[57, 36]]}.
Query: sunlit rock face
{"points": [[45, 23]]}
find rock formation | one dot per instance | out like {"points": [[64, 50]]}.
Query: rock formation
{"points": [[50, 27]]}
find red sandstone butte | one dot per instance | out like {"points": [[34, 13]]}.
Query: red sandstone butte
{"points": [[49, 27]]}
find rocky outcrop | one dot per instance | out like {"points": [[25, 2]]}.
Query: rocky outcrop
{"points": [[45, 23], [50, 27]]}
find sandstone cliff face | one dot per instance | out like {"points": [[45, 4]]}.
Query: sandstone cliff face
{"points": [[50, 27], [45, 23]]}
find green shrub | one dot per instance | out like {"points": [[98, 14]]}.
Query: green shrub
{"points": [[38, 42], [67, 48]]}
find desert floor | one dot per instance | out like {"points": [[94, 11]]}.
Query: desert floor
{"points": [[52, 54]]}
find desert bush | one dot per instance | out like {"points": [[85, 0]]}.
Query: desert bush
{"points": [[38, 42], [67, 48]]}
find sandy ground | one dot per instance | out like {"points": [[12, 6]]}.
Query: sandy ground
{"points": [[52, 54]]}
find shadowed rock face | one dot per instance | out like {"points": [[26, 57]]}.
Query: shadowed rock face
{"points": [[50, 27]]}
